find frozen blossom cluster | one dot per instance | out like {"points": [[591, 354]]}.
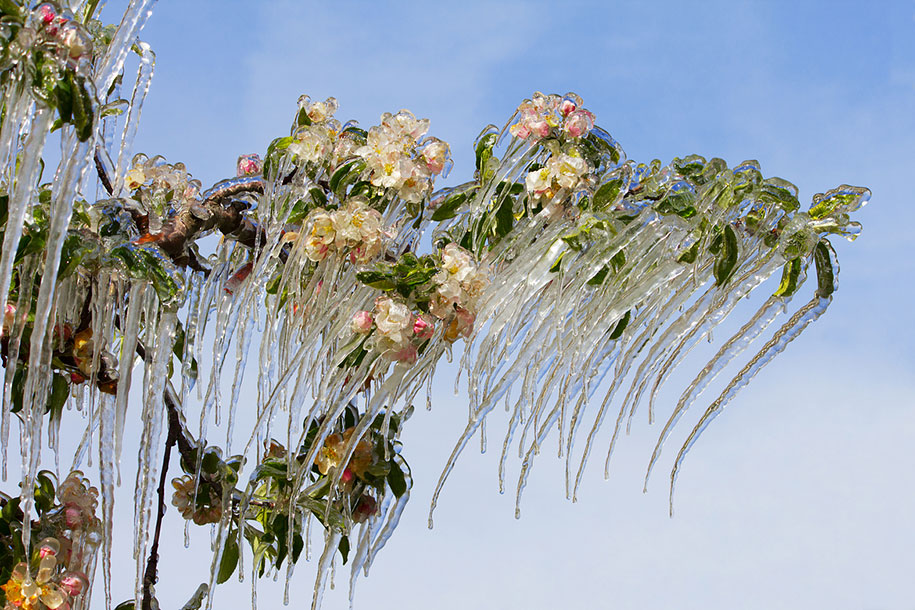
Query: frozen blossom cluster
{"points": [[557, 123], [56, 31], [55, 575], [355, 230], [458, 285], [398, 157], [397, 154], [401, 329]]}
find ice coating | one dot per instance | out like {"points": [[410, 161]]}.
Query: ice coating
{"points": [[570, 272]]}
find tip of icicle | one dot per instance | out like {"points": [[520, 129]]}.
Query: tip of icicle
{"points": [[517, 513], [430, 523]]}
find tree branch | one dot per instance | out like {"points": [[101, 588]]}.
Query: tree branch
{"points": [[152, 564]]}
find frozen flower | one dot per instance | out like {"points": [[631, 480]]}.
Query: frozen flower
{"points": [[417, 184], [578, 123], [344, 148], [538, 116], [134, 179], [362, 322], [202, 507], [406, 124], [539, 182], [9, 317], [436, 154], [248, 165], [566, 107], [331, 454], [321, 236], [408, 354], [73, 582], [315, 249], [79, 501], [318, 112], [423, 327], [393, 161], [25, 593], [461, 325], [75, 40], [562, 171], [311, 144], [366, 508], [394, 322], [46, 13], [567, 170]]}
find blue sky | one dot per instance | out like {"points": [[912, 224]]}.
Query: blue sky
{"points": [[800, 496]]}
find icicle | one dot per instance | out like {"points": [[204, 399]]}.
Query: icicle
{"points": [[135, 16], [140, 89], [162, 328], [732, 348], [787, 333], [332, 539], [22, 193]]}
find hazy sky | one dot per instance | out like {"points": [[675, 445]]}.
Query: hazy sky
{"points": [[800, 496]]}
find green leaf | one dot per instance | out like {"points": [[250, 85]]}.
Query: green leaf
{"points": [[505, 217], [558, 264], [690, 166], [598, 278], [376, 279], [63, 93], [617, 331], [60, 391], [780, 192], [343, 547], [344, 174], [82, 109], [791, 272], [678, 200], [484, 153], [44, 492], [302, 119], [824, 256], [689, 255], [229, 560], [606, 194], [396, 480], [18, 389], [845, 199], [726, 262], [449, 207], [275, 150]]}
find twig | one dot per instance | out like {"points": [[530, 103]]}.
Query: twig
{"points": [[152, 564]]}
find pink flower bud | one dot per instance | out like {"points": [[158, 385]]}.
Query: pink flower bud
{"points": [[47, 14], [347, 476], [579, 123], [362, 322], [365, 509], [73, 583], [567, 107], [539, 127], [73, 517], [520, 130], [407, 354], [248, 165], [423, 329]]}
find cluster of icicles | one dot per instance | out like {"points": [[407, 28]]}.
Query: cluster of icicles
{"points": [[545, 344]]}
